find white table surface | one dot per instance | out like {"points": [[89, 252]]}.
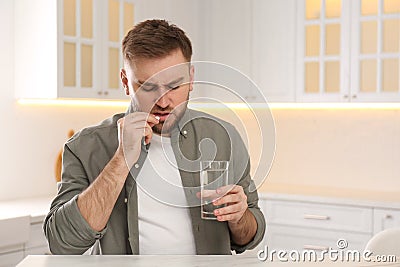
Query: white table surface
{"points": [[141, 261]]}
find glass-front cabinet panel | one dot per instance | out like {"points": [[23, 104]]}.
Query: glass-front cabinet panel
{"points": [[322, 65], [375, 50], [78, 44], [348, 50], [120, 19], [90, 35]]}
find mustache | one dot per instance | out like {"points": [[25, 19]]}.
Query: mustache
{"points": [[160, 110]]}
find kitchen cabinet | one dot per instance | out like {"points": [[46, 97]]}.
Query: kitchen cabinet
{"points": [[71, 48], [305, 222], [11, 243], [227, 33], [21, 229], [11, 259], [37, 243], [386, 218], [347, 51], [20, 238], [302, 225], [273, 49]]}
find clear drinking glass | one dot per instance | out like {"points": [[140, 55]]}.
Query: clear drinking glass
{"points": [[213, 175]]}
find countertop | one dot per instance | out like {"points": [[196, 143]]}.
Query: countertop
{"points": [[328, 195], [141, 261], [36, 208]]}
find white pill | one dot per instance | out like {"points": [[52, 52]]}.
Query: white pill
{"points": [[158, 118]]}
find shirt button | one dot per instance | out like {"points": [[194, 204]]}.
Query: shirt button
{"points": [[137, 165], [126, 200], [185, 132]]}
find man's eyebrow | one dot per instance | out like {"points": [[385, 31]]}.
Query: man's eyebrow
{"points": [[177, 80], [152, 84]]}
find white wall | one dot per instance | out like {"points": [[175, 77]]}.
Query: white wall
{"points": [[350, 149], [31, 136]]}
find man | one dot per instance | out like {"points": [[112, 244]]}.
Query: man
{"points": [[104, 194]]}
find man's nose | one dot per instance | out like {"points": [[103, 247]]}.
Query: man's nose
{"points": [[163, 100]]}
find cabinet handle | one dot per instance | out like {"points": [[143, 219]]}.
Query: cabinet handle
{"points": [[388, 216], [313, 247], [105, 93], [316, 217], [99, 92], [346, 96], [354, 96]]}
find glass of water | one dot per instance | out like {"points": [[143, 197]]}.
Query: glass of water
{"points": [[213, 175]]}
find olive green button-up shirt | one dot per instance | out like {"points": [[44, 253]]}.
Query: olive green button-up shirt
{"points": [[198, 136]]}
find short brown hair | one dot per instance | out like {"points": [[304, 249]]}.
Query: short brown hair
{"points": [[155, 39]]}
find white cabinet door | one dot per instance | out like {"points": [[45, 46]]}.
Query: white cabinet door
{"points": [[299, 238], [37, 243], [375, 51], [320, 216], [385, 218], [348, 51], [15, 237], [11, 259], [322, 44], [273, 44], [227, 40], [69, 55]]}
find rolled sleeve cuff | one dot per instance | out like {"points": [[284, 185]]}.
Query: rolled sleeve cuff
{"points": [[79, 223], [257, 237]]}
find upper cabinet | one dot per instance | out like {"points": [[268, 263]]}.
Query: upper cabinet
{"points": [[348, 50], [273, 49], [70, 48], [227, 32], [294, 50]]}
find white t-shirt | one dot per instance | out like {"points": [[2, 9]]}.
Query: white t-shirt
{"points": [[163, 228]]}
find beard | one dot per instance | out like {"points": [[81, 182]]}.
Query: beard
{"points": [[175, 115]]}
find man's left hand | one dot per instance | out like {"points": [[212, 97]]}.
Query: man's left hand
{"points": [[236, 204]]}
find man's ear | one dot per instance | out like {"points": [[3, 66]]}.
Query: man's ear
{"points": [[124, 81], [191, 73]]}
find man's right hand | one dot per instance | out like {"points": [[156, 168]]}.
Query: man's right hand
{"points": [[131, 129]]}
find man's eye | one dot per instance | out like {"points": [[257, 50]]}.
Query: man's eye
{"points": [[174, 87], [149, 88]]}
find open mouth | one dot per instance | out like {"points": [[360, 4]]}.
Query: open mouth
{"points": [[162, 116]]}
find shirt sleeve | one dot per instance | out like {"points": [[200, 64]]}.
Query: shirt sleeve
{"points": [[241, 162], [252, 202], [66, 230]]}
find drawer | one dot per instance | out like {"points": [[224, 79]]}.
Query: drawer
{"points": [[385, 218], [36, 237], [299, 238], [14, 231], [322, 216], [11, 259]]}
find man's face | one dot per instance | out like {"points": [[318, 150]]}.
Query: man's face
{"points": [[161, 87]]}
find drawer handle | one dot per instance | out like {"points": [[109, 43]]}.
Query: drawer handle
{"points": [[316, 217], [388, 216], [313, 247]]}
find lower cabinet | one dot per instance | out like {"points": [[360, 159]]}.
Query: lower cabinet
{"points": [[301, 238], [12, 242], [386, 218], [309, 223], [34, 244], [11, 258], [37, 244]]}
